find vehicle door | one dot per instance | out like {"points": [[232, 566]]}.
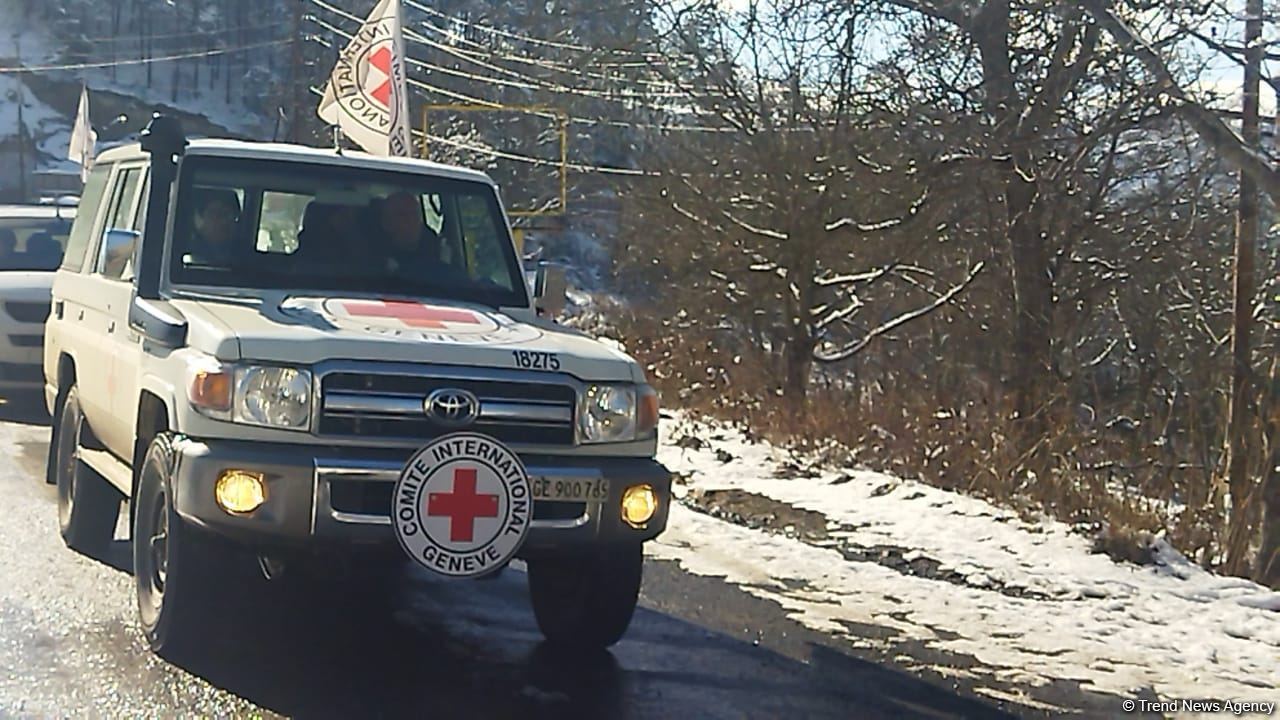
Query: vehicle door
{"points": [[76, 326], [127, 343], [113, 293]]}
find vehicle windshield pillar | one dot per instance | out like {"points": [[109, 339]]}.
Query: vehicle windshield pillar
{"points": [[164, 139]]}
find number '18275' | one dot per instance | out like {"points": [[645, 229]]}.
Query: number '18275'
{"points": [[530, 360]]}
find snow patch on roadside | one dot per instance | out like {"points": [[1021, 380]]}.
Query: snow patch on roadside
{"points": [[1113, 627]]}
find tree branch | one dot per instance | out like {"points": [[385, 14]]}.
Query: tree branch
{"points": [[850, 350], [1205, 122], [952, 12]]}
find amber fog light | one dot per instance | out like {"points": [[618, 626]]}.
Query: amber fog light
{"points": [[240, 491], [639, 503]]}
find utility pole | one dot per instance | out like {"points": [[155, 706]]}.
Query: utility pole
{"points": [[1237, 445], [295, 74]]}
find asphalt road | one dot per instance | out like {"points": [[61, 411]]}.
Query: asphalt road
{"points": [[70, 645]]}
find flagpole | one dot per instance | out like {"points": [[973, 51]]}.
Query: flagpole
{"points": [[84, 117], [366, 95]]}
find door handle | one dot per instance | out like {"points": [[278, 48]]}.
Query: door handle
{"points": [[111, 326], [81, 316], [57, 310]]}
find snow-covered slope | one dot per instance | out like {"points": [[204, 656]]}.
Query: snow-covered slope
{"points": [[1030, 601]]}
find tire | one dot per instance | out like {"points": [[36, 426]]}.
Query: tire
{"points": [[88, 505], [51, 463], [181, 574], [586, 602]]}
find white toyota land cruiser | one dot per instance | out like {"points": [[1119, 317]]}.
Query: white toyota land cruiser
{"points": [[290, 358]]}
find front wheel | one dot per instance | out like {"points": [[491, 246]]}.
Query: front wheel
{"points": [[585, 602], [183, 577], [88, 505]]}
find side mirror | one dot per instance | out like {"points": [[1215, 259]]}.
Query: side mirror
{"points": [[119, 247], [550, 288], [158, 321]]}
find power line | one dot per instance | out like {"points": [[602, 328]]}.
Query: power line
{"points": [[576, 167], [516, 157], [537, 41], [138, 61], [527, 82], [490, 103], [473, 57], [544, 63], [470, 58], [193, 33], [503, 33], [473, 100]]}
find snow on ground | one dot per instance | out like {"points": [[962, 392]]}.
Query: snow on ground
{"points": [[50, 129], [36, 46], [202, 100], [1034, 605]]}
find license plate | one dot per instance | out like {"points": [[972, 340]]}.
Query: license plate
{"points": [[569, 489]]}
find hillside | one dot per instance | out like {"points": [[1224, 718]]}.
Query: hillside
{"points": [[128, 81]]}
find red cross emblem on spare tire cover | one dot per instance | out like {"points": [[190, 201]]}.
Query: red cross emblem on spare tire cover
{"points": [[462, 505]]}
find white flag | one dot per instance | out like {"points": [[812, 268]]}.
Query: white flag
{"points": [[83, 137], [366, 96]]}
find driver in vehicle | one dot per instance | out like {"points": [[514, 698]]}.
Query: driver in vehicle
{"points": [[217, 215], [412, 247]]}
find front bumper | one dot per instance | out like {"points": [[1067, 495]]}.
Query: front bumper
{"points": [[326, 496]]}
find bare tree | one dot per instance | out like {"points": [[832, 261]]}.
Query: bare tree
{"points": [[774, 213], [1256, 171]]}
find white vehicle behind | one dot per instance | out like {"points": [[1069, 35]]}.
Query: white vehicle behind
{"points": [[32, 239]]}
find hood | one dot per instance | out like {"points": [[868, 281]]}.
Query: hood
{"points": [[305, 330]]}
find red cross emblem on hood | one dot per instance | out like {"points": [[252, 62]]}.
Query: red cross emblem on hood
{"points": [[412, 314]]}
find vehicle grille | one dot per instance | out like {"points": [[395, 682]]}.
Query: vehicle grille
{"points": [[374, 498], [27, 312], [391, 407], [28, 341]]}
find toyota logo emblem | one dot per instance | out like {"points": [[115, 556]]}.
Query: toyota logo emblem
{"points": [[452, 407]]}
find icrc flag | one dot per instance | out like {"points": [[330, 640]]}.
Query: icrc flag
{"points": [[366, 96], [83, 138]]}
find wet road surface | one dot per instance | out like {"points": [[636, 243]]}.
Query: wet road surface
{"points": [[70, 646]]}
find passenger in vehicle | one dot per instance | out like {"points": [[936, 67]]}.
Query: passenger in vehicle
{"points": [[329, 234], [412, 248], [43, 252], [217, 214]]}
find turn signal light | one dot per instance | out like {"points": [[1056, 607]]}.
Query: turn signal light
{"points": [[240, 491], [639, 504], [211, 390], [647, 411]]}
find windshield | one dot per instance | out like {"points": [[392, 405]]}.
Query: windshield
{"points": [[283, 225], [32, 243]]}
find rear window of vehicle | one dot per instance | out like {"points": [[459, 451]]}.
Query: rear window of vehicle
{"points": [[32, 244]]}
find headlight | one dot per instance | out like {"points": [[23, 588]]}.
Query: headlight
{"points": [[607, 413], [273, 396], [277, 397]]}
